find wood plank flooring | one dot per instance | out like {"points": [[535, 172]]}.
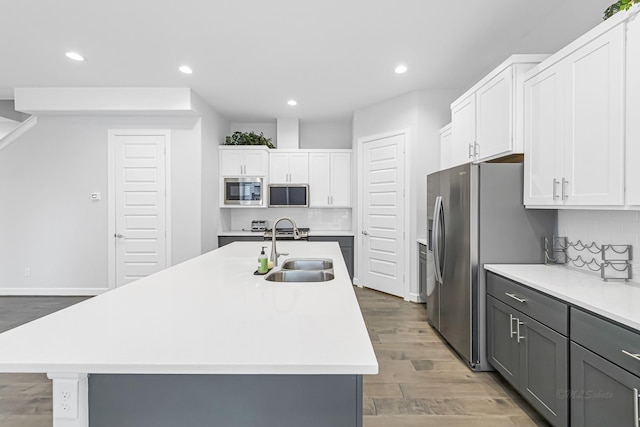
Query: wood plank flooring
{"points": [[421, 381], [25, 399]]}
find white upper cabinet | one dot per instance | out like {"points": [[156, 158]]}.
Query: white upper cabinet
{"points": [[463, 130], [488, 120], [330, 179], [445, 147], [545, 138], [633, 113], [574, 139], [494, 109], [289, 167], [240, 161]]}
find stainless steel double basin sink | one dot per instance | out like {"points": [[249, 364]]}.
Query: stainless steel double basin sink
{"points": [[303, 270]]}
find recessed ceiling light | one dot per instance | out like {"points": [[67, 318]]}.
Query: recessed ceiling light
{"points": [[401, 69], [75, 56], [186, 69], [292, 102]]}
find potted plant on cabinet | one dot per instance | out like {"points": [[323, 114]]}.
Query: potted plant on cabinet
{"points": [[248, 138]]}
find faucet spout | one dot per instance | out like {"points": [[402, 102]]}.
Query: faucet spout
{"points": [[274, 253]]}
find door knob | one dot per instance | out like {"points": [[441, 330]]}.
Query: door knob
{"points": [[365, 232], [119, 236]]}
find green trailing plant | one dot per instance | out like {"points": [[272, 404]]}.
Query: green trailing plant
{"points": [[618, 6], [248, 138]]}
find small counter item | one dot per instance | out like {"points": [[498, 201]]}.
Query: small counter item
{"points": [[263, 262]]}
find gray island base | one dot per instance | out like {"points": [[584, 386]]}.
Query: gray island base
{"points": [[225, 400]]}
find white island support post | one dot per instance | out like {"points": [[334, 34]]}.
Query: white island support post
{"points": [[70, 399]]}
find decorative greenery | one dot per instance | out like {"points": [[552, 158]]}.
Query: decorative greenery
{"points": [[618, 6], [249, 138]]}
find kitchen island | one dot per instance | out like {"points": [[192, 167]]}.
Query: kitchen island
{"points": [[205, 342]]}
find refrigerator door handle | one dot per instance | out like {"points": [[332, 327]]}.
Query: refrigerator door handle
{"points": [[442, 233], [435, 237]]}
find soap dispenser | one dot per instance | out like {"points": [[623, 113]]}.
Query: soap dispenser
{"points": [[263, 262]]}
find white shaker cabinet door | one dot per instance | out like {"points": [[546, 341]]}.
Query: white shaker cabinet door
{"points": [[278, 168], [463, 124], [633, 113], [256, 162], [594, 144], [231, 163], [299, 168], [494, 103], [341, 180], [319, 179], [445, 147], [543, 139]]}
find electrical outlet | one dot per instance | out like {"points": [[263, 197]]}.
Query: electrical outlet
{"points": [[65, 399], [27, 272]]}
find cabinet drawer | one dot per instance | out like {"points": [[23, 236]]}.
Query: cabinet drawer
{"points": [[540, 307], [607, 339]]}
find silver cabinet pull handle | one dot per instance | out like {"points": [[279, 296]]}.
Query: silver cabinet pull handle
{"points": [[511, 319], [476, 149], [632, 355], [565, 196], [422, 253], [515, 297], [518, 337], [636, 421], [470, 153], [555, 189]]}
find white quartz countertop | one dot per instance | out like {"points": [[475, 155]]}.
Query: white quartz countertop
{"points": [[422, 241], [311, 233], [615, 300], [208, 315]]}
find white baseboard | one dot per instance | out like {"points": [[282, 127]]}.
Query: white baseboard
{"points": [[414, 297], [52, 291]]}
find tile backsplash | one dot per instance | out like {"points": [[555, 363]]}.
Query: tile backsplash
{"points": [[316, 219], [602, 227]]}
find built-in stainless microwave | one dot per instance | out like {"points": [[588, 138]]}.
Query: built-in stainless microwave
{"points": [[288, 195], [243, 191]]}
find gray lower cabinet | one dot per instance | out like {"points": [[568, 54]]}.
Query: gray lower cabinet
{"points": [[602, 394], [529, 354], [605, 372], [422, 274], [225, 240], [346, 246]]}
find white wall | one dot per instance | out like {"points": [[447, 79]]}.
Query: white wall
{"points": [[47, 220], [214, 129], [423, 113], [601, 227], [333, 135]]}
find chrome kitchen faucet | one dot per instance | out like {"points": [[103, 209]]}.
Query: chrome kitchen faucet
{"points": [[274, 253]]}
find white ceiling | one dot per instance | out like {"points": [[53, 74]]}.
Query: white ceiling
{"points": [[250, 56]]}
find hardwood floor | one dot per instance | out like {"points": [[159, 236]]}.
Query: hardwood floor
{"points": [[422, 382], [25, 399]]}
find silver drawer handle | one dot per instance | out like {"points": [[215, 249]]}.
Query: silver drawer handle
{"points": [[632, 355], [515, 297], [423, 253], [518, 337]]}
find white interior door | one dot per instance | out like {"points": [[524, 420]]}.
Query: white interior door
{"points": [[383, 215], [140, 204]]}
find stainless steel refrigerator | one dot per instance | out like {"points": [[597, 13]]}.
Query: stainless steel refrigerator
{"points": [[476, 217]]}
